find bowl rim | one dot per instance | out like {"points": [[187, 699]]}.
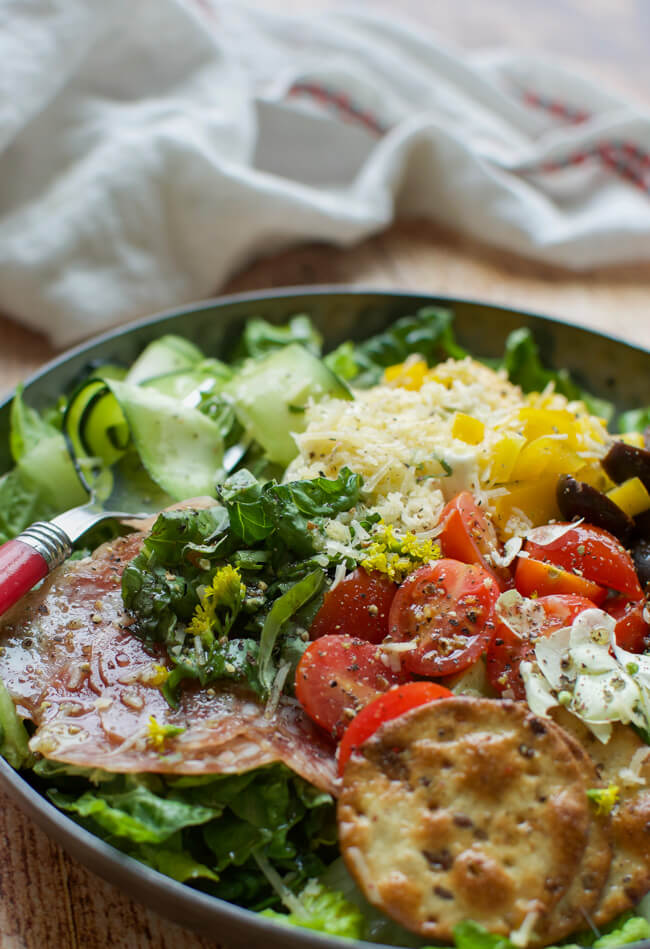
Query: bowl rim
{"points": [[154, 889], [319, 290]]}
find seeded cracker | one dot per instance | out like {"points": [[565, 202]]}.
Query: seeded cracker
{"points": [[575, 909], [466, 808], [623, 762]]}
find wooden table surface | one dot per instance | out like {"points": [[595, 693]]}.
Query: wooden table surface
{"points": [[48, 900]]}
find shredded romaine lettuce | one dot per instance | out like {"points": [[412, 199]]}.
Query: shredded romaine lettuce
{"points": [[326, 911], [205, 830]]}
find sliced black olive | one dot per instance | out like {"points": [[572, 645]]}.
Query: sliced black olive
{"points": [[641, 558], [626, 461], [576, 499]]}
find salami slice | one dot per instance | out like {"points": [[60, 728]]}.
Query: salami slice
{"points": [[91, 688]]}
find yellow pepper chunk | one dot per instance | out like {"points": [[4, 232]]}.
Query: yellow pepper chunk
{"points": [[595, 475], [535, 499], [546, 455], [406, 375], [631, 496], [503, 457], [538, 422], [468, 429]]}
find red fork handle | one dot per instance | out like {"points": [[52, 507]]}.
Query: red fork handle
{"points": [[20, 568]]}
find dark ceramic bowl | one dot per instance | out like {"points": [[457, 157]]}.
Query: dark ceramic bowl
{"points": [[608, 367]]}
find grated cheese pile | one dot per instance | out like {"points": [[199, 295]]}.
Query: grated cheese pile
{"points": [[423, 435]]}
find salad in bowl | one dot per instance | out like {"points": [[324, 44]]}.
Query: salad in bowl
{"points": [[380, 665]]}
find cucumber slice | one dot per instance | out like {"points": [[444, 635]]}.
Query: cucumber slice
{"points": [[48, 468], [108, 370], [181, 448], [95, 425], [167, 354], [188, 385], [270, 395]]}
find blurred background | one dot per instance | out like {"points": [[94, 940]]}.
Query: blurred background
{"points": [[606, 41]]}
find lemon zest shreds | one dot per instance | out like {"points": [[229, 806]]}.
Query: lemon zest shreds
{"points": [[605, 799], [158, 734], [397, 555], [219, 604]]}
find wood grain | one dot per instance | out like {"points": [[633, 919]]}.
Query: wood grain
{"points": [[48, 900]]}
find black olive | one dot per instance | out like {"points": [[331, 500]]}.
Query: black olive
{"points": [[642, 525], [576, 499], [641, 558], [626, 461]]}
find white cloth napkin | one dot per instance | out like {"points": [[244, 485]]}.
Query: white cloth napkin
{"points": [[148, 148]]}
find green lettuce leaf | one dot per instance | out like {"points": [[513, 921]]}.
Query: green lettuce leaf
{"points": [[342, 361], [206, 830], [632, 929], [27, 428], [242, 497], [179, 536], [636, 420], [625, 929], [260, 337], [290, 510], [280, 613], [427, 333], [293, 507], [13, 734], [43, 483], [324, 910], [235, 660], [471, 935], [174, 860], [160, 585], [135, 812], [522, 362], [377, 927]]}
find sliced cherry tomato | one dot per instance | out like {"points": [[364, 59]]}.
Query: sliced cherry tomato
{"points": [[535, 578], [632, 632], [337, 676], [507, 650], [359, 605], [467, 535], [384, 708], [446, 608], [589, 552]]}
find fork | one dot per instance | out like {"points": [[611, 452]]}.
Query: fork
{"points": [[44, 545]]}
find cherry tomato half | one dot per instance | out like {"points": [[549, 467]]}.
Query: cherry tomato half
{"points": [[359, 605], [446, 608], [383, 709], [632, 632], [467, 535], [337, 676], [507, 650], [589, 552], [535, 578]]}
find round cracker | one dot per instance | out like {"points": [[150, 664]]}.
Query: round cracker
{"points": [[573, 910], [466, 808], [629, 875]]}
